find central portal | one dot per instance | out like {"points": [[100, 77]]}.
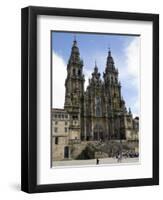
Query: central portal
{"points": [[98, 133]]}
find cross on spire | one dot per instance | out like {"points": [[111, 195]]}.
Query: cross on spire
{"points": [[74, 42], [96, 68], [109, 52], [109, 49]]}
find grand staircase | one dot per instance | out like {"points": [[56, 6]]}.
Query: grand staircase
{"points": [[97, 149]]}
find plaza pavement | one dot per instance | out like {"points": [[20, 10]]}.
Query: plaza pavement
{"points": [[102, 161]]}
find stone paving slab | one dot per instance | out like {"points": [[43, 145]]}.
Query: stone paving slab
{"points": [[93, 162]]}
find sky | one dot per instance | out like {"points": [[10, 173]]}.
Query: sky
{"points": [[125, 50]]}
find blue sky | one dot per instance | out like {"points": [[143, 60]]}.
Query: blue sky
{"points": [[125, 51]]}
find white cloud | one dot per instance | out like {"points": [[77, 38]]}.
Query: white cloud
{"points": [[129, 74], [133, 60], [58, 76], [132, 56]]}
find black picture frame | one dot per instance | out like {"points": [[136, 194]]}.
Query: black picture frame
{"points": [[29, 99]]}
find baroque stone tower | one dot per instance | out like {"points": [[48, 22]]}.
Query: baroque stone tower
{"points": [[114, 103], [74, 85]]}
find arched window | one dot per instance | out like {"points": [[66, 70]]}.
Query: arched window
{"points": [[98, 106], [73, 72], [111, 79], [79, 72]]}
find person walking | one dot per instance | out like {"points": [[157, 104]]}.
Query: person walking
{"points": [[97, 161]]}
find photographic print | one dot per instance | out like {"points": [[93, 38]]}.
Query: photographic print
{"points": [[90, 99], [94, 99]]}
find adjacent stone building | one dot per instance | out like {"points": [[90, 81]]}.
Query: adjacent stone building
{"points": [[97, 114], [60, 134]]}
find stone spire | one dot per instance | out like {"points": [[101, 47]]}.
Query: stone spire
{"points": [[95, 80], [74, 42], [123, 106], [74, 83], [75, 55], [96, 75], [95, 68], [111, 73], [129, 111], [110, 62]]}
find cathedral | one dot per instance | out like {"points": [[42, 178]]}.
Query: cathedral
{"points": [[97, 114]]}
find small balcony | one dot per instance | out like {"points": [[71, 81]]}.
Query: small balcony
{"points": [[74, 141]]}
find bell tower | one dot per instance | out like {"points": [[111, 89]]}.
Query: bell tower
{"points": [[74, 83], [112, 85], [115, 103], [74, 92]]}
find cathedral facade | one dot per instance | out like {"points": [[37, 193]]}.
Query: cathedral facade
{"points": [[97, 114]]}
